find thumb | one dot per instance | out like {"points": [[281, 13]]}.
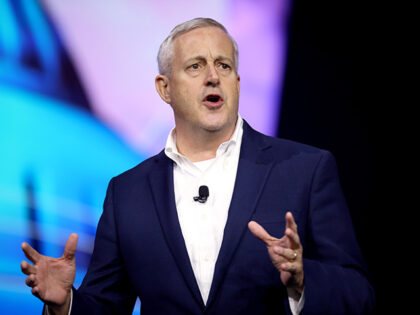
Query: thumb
{"points": [[71, 246], [260, 232]]}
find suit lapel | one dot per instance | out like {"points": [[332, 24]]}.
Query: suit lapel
{"points": [[162, 185], [250, 179]]}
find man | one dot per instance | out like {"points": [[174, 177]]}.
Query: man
{"points": [[208, 254]]}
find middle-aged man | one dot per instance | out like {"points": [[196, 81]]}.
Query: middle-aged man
{"points": [[183, 252]]}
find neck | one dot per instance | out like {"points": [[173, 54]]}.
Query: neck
{"points": [[201, 145]]}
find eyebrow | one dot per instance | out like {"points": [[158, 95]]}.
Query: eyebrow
{"points": [[195, 58], [202, 58]]}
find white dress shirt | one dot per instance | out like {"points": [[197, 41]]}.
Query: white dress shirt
{"points": [[202, 224]]}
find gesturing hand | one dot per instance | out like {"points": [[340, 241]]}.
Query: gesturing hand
{"points": [[50, 278], [285, 253]]}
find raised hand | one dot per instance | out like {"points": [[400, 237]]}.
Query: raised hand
{"points": [[285, 253], [51, 279]]}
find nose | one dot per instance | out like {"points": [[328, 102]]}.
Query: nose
{"points": [[212, 78]]}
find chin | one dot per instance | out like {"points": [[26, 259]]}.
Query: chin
{"points": [[212, 128], [216, 125]]}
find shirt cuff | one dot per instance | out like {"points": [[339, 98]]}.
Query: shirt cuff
{"points": [[295, 304], [71, 303]]}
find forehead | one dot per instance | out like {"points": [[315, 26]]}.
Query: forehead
{"points": [[202, 42]]}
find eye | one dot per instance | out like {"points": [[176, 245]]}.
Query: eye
{"points": [[195, 66], [225, 66]]}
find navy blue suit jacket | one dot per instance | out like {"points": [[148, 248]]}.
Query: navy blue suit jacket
{"points": [[140, 251]]}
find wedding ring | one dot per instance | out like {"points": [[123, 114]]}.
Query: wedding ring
{"points": [[294, 257]]}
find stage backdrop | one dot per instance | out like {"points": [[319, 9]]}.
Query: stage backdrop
{"points": [[78, 106]]}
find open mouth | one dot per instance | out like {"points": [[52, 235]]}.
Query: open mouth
{"points": [[213, 100]]}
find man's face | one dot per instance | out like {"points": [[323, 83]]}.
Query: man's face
{"points": [[203, 87]]}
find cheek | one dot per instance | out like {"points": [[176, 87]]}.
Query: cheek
{"points": [[179, 94], [185, 90], [184, 100], [234, 93]]}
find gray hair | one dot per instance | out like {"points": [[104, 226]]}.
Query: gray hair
{"points": [[166, 50]]}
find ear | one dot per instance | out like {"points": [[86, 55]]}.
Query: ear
{"points": [[238, 84], [162, 87]]}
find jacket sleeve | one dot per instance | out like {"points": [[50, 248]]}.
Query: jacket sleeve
{"points": [[106, 288], [335, 273]]}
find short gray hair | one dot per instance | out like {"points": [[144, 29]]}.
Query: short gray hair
{"points": [[166, 50]]}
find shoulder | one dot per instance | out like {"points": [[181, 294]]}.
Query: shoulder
{"points": [[142, 171], [278, 149], [290, 146]]}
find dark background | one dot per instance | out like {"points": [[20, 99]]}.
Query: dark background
{"points": [[323, 104]]}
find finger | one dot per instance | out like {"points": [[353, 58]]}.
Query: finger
{"points": [[27, 268], [293, 238], [290, 221], [293, 268], [260, 232], [30, 281], [30, 253], [276, 254], [288, 254], [71, 246], [35, 291]]}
